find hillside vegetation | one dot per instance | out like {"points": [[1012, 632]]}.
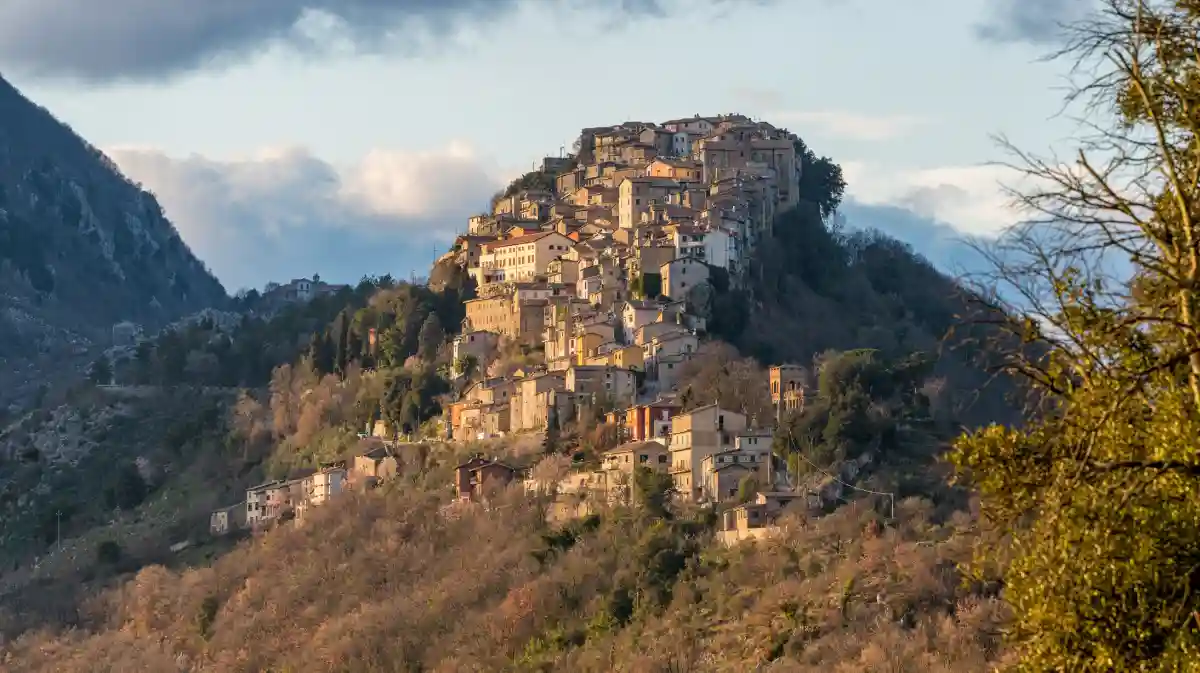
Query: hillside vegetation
{"points": [[400, 579], [393, 581]]}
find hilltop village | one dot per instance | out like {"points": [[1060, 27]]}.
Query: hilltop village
{"points": [[593, 278]]}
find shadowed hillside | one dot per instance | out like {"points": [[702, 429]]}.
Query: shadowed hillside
{"points": [[81, 248], [390, 582]]}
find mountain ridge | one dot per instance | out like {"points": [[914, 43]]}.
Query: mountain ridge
{"points": [[81, 248]]}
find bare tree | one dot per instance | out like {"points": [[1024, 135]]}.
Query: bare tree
{"points": [[1098, 489]]}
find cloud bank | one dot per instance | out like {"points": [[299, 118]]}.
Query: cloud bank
{"points": [[285, 213], [155, 39], [1036, 22], [972, 198]]}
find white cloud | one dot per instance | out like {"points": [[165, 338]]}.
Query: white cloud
{"points": [[283, 212], [850, 125], [969, 198]]}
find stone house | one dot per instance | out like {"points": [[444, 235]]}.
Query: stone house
{"points": [[627, 357], [479, 477], [227, 519], [681, 275], [687, 170], [496, 390], [664, 372], [695, 435], [757, 518], [521, 321], [644, 422], [469, 247], [723, 472], [712, 245], [647, 333], [264, 502], [479, 344], [563, 271], [636, 314], [375, 466], [652, 455], [672, 347], [320, 487], [531, 403], [617, 386], [636, 195]]}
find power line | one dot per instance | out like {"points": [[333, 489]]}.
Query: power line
{"points": [[891, 496]]}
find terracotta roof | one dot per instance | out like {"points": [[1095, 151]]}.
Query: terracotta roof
{"points": [[653, 179], [520, 240], [633, 446]]}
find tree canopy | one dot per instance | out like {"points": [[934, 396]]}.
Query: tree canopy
{"points": [[1099, 488]]}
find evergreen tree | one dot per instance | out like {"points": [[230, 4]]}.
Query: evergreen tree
{"points": [[431, 338], [321, 352], [340, 331], [101, 371]]}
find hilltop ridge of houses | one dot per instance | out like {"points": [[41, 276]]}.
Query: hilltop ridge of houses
{"points": [[604, 274], [601, 277]]}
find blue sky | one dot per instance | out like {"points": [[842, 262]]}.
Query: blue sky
{"points": [[358, 138]]}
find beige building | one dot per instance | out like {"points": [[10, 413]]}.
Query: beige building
{"points": [[227, 519], [652, 455], [696, 435], [759, 518], [670, 347], [636, 314], [490, 391], [522, 321], [620, 466], [375, 466], [680, 276], [647, 333], [638, 194], [469, 247], [479, 344], [264, 503], [665, 372], [531, 404], [628, 357], [564, 271], [618, 386], [757, 149], [523, 258], [724, 471], [321, 486], [687, 170], [787, 388]]}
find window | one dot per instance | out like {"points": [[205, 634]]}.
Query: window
{"points": [[643, 458], [662, 459]]}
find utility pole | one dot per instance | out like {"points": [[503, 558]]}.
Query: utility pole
{"points": [[58, 528]]}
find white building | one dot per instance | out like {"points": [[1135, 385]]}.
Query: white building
{"points": [[520, 259], [711, 245], [324, 484]]}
